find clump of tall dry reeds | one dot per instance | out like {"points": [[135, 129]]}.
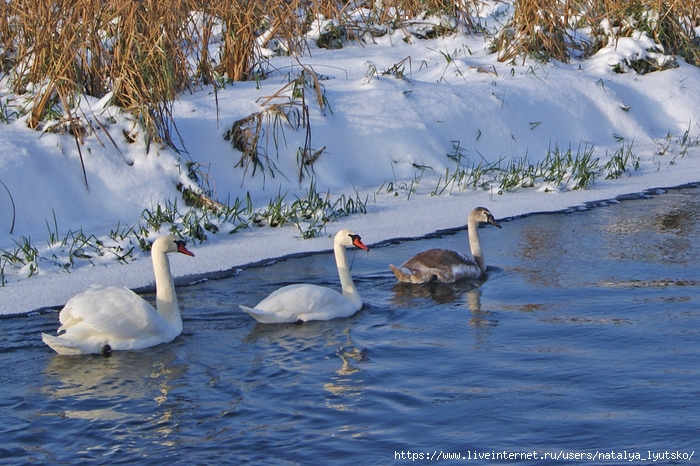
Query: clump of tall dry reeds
{"points": [[672, 24], [537, 29], [144, 52], [542, 29], [57, 51]]}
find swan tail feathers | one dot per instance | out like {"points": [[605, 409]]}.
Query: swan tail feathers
{"points": [[62, 345], [402, 274]]}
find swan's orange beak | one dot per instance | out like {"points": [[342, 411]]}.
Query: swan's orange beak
{"points": [[181, 248], [358, 242]]}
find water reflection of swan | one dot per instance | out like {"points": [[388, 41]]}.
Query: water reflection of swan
{"points": [[406, 296], [307, 302], [95, 388], [103, 319], [479, 317], [445, 266], [344, 384], [441, 293]]}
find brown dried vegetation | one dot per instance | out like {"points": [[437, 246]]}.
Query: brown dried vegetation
{"points": [[146, 52], [545, 29]]}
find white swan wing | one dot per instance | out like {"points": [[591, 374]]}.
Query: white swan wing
{"points": [[111, 310], [108, 315], [301, 302]]}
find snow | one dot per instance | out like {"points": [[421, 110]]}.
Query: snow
{"points": [[378, 130]]}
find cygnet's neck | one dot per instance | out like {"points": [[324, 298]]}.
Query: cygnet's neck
{"points": [[475, 244], [166, 299], [346, 283]]}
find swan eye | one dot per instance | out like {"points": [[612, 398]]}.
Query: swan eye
{"points": [[355, 239], [357, 242]]}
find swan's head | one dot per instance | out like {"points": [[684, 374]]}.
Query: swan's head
{"points": [[482, 215], [347, 237], [170, 243]]}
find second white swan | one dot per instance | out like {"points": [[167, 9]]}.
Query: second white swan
{"points": [[305, 302]]}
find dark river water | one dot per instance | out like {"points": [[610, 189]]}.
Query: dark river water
{"points": [[584, 342]]}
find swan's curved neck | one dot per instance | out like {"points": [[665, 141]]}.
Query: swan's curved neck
{"points": [[346, 283], [475, 244], [166, 299]]}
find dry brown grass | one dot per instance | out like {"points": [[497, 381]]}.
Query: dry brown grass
{"points": [[537, 29], [68, 48], [541, 28], [146, 52], [289, 107], [673, 28]]}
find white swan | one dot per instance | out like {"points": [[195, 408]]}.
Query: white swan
{"points": [[103, 319], [312, 302], [447, 266]]}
